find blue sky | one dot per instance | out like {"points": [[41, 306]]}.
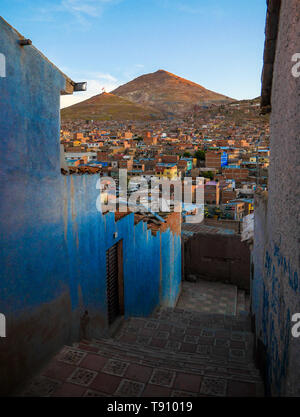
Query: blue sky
{"points": [[216, 43]]}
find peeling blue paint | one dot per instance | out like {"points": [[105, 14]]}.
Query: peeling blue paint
{"points": [[54, 240], [275, 326]]}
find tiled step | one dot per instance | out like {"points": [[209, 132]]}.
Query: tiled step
{"points": [[196, 319], [208, 297], [219, 346], [166, 338], [202, 365], [202, 353], [81, 372], [175, 329], [172, 353]]}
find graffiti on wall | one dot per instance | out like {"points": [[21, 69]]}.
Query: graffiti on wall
{"points": [[276, 317]]}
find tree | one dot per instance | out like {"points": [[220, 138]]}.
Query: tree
{"points": [[187, 155], [200, 155], [208, 174]]}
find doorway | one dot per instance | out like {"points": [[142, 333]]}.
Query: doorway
{"points": [[114, 282]]}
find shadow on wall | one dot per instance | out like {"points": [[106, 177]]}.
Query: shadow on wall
{"points": [[218, 258]]}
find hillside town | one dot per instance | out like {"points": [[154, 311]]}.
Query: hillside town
{"points": [[105, 294], [228, 145]]}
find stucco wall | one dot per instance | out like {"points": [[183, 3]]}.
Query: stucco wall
{"points": [[258, 255], [276, 283], [53, 268], [53, 239]]}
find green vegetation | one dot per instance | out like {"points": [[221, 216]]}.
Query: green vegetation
{"points": [[200, 155], [208, 174]]}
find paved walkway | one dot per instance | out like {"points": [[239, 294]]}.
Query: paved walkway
{"points": [[208, 297], [174, 353], [203, 348]]}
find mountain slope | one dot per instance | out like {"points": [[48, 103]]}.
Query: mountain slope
{"points": [[107, 106], [238, 112], [168, 93]]}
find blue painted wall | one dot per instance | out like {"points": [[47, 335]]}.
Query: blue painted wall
{"points": [[171, 268], [53, 239]]}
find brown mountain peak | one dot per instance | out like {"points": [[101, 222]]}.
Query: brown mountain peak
{"points": [[161, 71], [168, 92], [156, 95]]}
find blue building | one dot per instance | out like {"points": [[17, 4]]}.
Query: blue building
{"points": [[62, 260], [224, 159]]}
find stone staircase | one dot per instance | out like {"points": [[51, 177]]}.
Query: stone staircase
{"points": [[173, 353]]}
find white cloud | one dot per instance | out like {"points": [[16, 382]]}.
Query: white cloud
{"points": [[82, 10], [102, 76], [94, 87], [92, 8]]}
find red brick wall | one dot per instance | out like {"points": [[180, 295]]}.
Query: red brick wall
{"points": [[213, 159], [236, 174], [169, 159], [228, 195]]}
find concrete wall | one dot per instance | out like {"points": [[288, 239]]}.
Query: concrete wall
{"points": [[218, 258], [53, 239], [258, 255], [276, 286]]}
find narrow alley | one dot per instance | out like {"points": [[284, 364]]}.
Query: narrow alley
{"points": [[202, 348]]}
